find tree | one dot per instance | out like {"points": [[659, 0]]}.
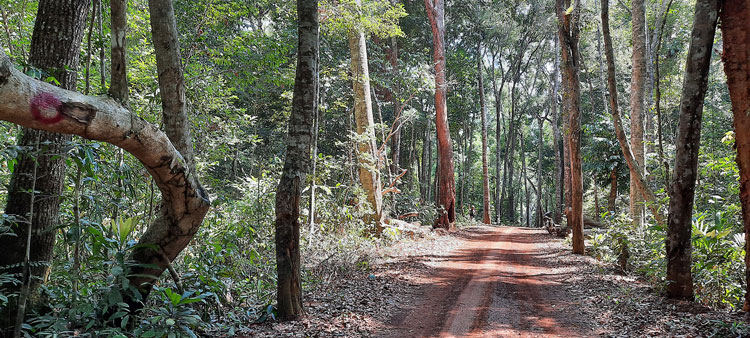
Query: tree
{"points": [[184, 202], [369, 163], [637, 109], [735, 23], [54, 52], [635, 168], [483, 111], [446, 190], [296, 163], [568, 33], [682, 190], [158, 246]]}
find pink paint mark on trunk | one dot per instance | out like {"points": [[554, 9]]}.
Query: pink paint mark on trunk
{"points": [[46, 108]]}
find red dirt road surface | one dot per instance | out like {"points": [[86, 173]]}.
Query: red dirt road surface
{"points": [[500, 282]]}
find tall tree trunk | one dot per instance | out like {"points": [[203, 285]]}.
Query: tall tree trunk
{"points": [[510, 210], [447, 187], [55, 50], [735, 23], [392, 57], [568, 33], [635, 169], [680, 221], [369, 173], [559, 175], [485, 168], [540, 141], [525, 179], [657, 94], [297, 163], [498, 92], [637, 109]]}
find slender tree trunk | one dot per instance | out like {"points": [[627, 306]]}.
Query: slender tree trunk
{"points": [[392, 57], [568, 33], [679, 250], [485, 168], [735, 23], [447, 189], [316, 130], [55, 50], [657, 93], [637, 109], [527, 195], [540, 141], [612, 191], [559, 175], [635, 169], [498, 92], [118, 87], [297, 163], [369, 173]]}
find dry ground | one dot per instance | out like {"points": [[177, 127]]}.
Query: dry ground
{"points": [[494, 282]]}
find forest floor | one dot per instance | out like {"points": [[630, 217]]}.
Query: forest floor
{"points": [[485, 281]]}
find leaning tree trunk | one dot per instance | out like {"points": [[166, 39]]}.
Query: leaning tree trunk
{"points": [[180, 215], [446, 192], [485, 169], [680, 220], [369, 173], [637, 109], [568, 33], [635, 169], [735, 23], [297, 163], [55, 50]]}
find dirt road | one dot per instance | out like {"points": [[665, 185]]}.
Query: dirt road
{"points": [[500, 282]]}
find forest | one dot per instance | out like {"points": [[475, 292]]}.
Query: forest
{"points": [[374, 168]]}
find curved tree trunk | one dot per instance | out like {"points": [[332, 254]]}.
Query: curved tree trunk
{"points": [[55, 50], [185, 203], [446, 191], [735, 23]]}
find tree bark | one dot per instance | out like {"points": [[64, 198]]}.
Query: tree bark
{"points": [[55, 50], [735, 23], [446, 185], [297, 163], [679, 249], [171, 78], [498, 92], [369, 173], [485, 168], [635, 169], [559, 175], [185, 203], [637, 109], [612, 191], [118, 86], [568, 32]]}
